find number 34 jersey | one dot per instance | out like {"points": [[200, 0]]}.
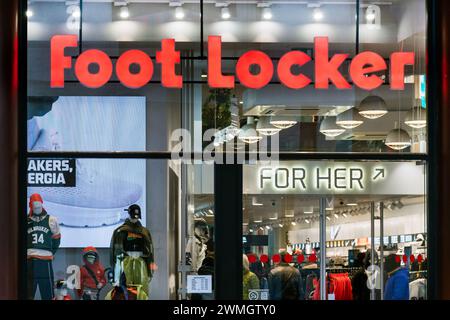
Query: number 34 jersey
{"points": [[43, 237]]}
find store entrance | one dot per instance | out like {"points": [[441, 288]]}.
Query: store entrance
{"points": [[368, 244]]}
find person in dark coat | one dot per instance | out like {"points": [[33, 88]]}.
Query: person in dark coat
{"points": [[285, 281]]}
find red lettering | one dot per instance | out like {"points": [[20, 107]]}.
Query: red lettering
{"points": [[398, 62], [215, 77], [284, 70], [59, 62], [105, 68], [254, 57], [325, 69], [129, 79], [363, 64], [168, 57]]}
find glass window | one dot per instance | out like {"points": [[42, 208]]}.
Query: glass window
{"points": [[321, 220]]}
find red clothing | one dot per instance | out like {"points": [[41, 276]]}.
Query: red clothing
{"points": [[86, 278], [337, 283]]}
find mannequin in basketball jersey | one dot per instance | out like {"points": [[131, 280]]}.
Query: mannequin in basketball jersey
{"points": [[43, 240]]}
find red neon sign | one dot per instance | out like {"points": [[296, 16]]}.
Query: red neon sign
{"points": [[326, 68]]}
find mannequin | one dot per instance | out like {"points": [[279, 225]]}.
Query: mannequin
{"points": [[43, 240], [196, 246], [132, 251], [61, 291], [92, 275]]}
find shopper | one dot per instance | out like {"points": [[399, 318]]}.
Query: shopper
{"points": [[360, 289], [285, 281], [249, 279], [397, 285]]}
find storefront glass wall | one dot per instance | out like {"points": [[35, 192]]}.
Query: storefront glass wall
{"points": [[268, 118]]}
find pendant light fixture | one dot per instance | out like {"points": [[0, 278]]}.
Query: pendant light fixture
{"points": [[417, 116], [398, 139], [248, 133], [349, 119], [329, 128], [372, 107], [282, 122], [264, 127]]}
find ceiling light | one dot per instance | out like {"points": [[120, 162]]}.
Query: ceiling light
{"points": [[280, 225], [261, 228], [264, 127], [124, 13], [349, 119], [225, 13], [204, 75], [317, 14], [29, 13], [294, 223], [289, 215], [248, 133], [372, 107], [255, 202], [328, 218], [273, 218], [210, 211], [345, 215], [329, 209], [267, 13], [306, 220], [245, 223], [370, 15], [268, 227], [179, 13], [257, 221], [329, 128], [352, 204], [76, 13], [417, 117], [398, 139], [308, 212], [336, 216], [250, 230], [282, 122]]}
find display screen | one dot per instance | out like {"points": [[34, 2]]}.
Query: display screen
{"points": [[88, 196]]}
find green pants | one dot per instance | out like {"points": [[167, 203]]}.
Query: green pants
{"points": [[136, 272]]}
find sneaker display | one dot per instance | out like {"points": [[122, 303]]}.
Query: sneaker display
{"points": [[97, 200]]}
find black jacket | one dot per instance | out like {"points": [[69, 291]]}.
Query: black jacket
{"points": [[285, 283], [132, 230]]}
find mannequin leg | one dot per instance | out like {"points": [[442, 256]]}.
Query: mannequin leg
{"points": [[45, 279]]}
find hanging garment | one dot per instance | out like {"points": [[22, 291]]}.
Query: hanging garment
{"points": [[338, 284], [397, 285], [418, 289], [40, 274], [195, 253], [136, 273]]}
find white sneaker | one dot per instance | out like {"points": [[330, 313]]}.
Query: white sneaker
{"points": [[97, 200]]}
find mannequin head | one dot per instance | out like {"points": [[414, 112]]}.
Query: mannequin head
{"points": [[201, 230], [90, 255], [36, 204], [134, 211]]}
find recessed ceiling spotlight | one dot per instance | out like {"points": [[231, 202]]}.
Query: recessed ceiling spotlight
{"points": [[124, 13], [294, 223], [336, 216], [307, 221], [179, 12], [267, 13], [280, 225], [317, 14], [225, 13], [328, 218], [268, 227], [345, 215]]}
